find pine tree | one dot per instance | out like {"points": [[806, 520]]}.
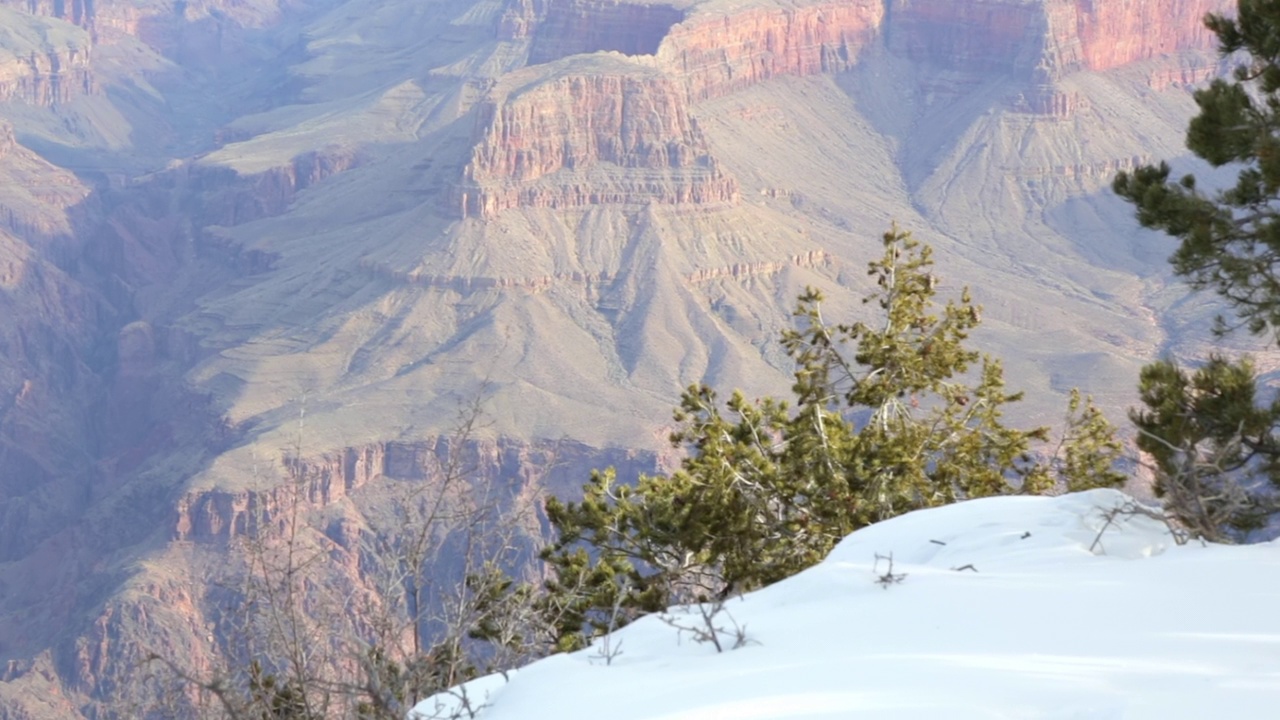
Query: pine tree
{"points": [[1229, 239], [1214, 449], [886, 418], [1212, 437]]}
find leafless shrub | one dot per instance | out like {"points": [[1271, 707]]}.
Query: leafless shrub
{"points": [[888, 577], [1201, 495], [1132, 508], [431, 606], [703, 622], [607, 645]]}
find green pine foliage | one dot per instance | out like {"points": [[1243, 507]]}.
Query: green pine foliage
{"points": [[1090, 454], [1212, 438], [1229, 239], [885, 417], [1213, 446]]}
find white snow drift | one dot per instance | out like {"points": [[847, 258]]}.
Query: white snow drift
{"points": [[1037, 625]]}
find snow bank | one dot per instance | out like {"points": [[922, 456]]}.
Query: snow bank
{"points": [[1008, 608]]}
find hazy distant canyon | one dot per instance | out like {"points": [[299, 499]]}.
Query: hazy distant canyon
{"points": [[219, 217]]}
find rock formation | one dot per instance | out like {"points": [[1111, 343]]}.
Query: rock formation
{"points": [[537, 133], [714, 53], [539, 142], [42, 61]]}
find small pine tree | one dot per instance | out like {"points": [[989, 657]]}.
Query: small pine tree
{"points": [[1216, 457], [1090, 453], [886, 420]]}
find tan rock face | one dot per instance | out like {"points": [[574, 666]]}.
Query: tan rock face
{"points": [[47, 79], [713, 54], [536, 141], [1111, 34], [636, 127], [43, 61]]}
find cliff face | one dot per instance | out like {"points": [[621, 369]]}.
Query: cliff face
{"points": [[47, 79], [42, 61], [520, 468], [539, 145], [713, 55], [632, 128], [1060, 36], [1099, 35]]}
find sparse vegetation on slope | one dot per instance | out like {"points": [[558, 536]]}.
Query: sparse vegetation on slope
{"points": [[885, 418]]}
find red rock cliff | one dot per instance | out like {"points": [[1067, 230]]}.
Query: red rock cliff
{"points": [[713, 54], [1100, 35], [624, 134], [574, 140]]}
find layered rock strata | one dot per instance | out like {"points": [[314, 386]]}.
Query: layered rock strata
{"points": [[627, 135], [42, 62], [1099, 35], [713, 54], [217, 515], [551, 142]]}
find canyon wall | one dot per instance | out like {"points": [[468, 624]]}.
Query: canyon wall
{"points": [[628, 135], [713, 54], [540, 144], [43, 61], [520, 468], [1101, 35], [46, 79], [1062, 36]]}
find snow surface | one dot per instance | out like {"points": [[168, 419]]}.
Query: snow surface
{"points": [[1042, 628]]}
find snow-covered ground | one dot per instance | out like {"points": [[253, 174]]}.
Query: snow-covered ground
{"points": [[1039, 627]]}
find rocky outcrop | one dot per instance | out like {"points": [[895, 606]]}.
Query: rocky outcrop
{"points": [[230, 198], [577, 140], [514, 465], [213, 515], [43, 62], [742, 271], [713, 54], [1100, 35]]}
